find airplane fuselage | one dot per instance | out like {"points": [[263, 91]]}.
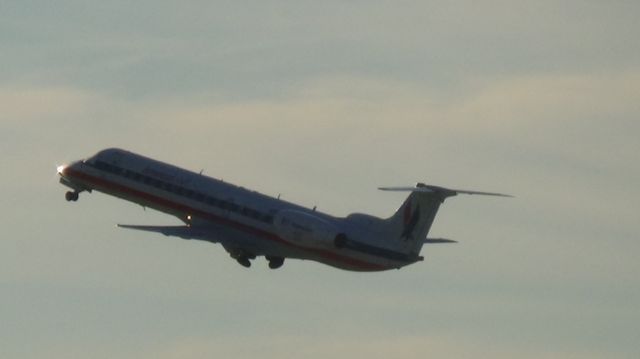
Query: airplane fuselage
{"points": [[245, 222]]}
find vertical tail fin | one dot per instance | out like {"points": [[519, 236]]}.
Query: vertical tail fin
{"points": [[412, 221]]}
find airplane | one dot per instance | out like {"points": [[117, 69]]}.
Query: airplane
{"points": [[249, 224]]}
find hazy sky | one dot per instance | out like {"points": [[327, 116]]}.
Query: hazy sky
{"points": [[322, 102]]}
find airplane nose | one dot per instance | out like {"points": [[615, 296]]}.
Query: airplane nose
{"points": [[63, 169]]}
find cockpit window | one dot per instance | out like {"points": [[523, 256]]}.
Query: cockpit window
{"points": [[108, 155]]}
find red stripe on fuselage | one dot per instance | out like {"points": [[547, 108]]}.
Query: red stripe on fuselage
{"points": [[162, 203]]}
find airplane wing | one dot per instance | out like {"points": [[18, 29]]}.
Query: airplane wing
{"points": [[185, 232], [213, 234], [438, 240]]}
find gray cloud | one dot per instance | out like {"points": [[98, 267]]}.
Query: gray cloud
{"points": [[259, 50], [323, 103]]}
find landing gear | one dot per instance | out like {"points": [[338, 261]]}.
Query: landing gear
{"points": [[275, 262], [241, 256], [71, 196], [244, 261], [244, 258]]}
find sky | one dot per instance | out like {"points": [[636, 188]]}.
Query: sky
{"points": [[321, 103]]}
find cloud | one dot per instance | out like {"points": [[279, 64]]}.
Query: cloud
{"points": [[324, 102], [539, 137], [257, 51], [560, 124], [28, 104], [361, 346]]}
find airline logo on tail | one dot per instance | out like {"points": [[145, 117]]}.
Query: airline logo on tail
{"points": [[411, 218]]}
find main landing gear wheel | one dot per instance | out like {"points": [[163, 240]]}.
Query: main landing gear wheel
{"points": [[244, 261], [71, 196], [275, 262], [241, 256]]}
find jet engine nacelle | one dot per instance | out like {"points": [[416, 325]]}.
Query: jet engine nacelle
{"points": [[306, 229]]}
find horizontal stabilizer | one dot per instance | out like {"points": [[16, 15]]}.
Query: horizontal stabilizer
{"points": [[438, 240], [446, 192]]}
